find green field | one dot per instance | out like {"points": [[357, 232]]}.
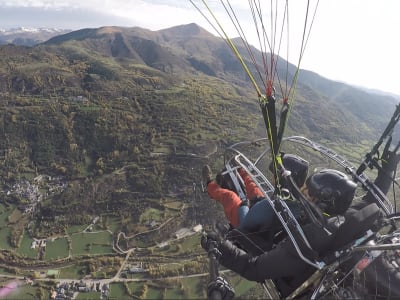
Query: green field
{"points": [[76, 229], [5, 237], [88, 296], [91, 243], [25, 247], [154, 293], [191, 242], [72, 272], [5, 231], [4, 213], [56, 249], [118, 291]]}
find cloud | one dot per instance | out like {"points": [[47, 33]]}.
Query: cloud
{"points": [[56, 18], [157, 14], [151, 14], [49, 4]]}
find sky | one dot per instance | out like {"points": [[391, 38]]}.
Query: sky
{"points": [[353, 41]]}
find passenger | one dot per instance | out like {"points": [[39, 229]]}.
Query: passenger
{"points": [[261, 213]]}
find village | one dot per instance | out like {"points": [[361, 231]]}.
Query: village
{"points": [[31, 193], [69, 290]]}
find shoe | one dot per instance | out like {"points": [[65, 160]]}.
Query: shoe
{"points": [[206, 174]]}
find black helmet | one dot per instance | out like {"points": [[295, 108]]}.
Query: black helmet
{"points": [[297, 166], [333, 190]]}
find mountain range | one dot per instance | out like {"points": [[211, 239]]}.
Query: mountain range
{"points": [[132, 110], [25, 36]]}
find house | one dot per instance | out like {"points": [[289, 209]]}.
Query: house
{"points": [[182, 233], [198, 228], [33, 245], [82, 287], [162, 244], [136, 269]]}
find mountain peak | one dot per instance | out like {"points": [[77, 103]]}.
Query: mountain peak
{"points": [[186, 30], [109, 29]]}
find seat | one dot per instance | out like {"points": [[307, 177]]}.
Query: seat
{"points": [[356, 224]]}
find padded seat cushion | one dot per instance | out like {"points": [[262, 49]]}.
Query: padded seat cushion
{"points": [[356, 223]]}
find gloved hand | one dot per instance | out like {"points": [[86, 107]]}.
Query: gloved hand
{"points": [[208, 239], [220, 287]]}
